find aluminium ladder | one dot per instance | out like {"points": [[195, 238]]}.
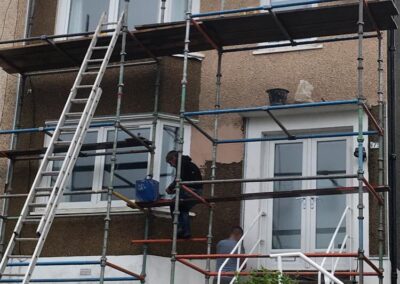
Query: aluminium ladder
{"points": [[94, 54]]}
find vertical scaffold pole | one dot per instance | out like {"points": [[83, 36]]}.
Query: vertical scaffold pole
{"points": [[113, 160], [381, 165], [150, 171], [181, 138], [214, 160], [360, 140]]}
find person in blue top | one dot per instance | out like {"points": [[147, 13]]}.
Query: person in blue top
{"points": [[225, 247], [189, 172]]}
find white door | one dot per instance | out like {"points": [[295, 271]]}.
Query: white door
{"points": [[307, 224]]}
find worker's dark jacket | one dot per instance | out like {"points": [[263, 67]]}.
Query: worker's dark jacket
{"points": [[189, 172]]}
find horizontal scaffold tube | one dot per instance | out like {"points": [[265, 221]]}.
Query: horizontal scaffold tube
{"points": [[243, 255], [71, 280], [58, 263], [268, 195], [271, 108], [246, 180], [167, 241], [44, 129], [294, 137]]}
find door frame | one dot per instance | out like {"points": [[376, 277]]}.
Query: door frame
{"points": [[312, 121]]}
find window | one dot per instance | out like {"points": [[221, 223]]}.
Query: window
{"points": [[74, 16], [286, 48], [92, 169]]}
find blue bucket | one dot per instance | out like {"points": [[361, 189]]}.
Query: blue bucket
{"points": [[147, 190]]}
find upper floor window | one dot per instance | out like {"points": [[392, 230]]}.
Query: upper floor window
{"points": [[287, 48], [74, 16]]}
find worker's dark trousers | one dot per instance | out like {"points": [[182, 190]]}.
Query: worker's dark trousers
{"points": [[184, 209]]}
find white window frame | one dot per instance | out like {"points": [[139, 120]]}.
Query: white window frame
{"points": [[64, 8], [96, 205], [300, 47], [255, 164]]}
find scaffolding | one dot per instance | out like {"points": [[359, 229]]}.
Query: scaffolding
{"points": [[213, 40]]}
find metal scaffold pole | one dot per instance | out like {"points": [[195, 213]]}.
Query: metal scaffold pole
{"points": [[113, 159], [360, 140], [181, 139], [214, 160], [381, 165]]}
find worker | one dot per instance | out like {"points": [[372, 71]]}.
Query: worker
{"points": [[226, 247], [189, 172]]}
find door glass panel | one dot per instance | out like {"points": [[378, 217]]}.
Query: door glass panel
{"points": [[286, 224], [129, 167], [331, 160], [85, 14], [82, 175], [178, 10], [141, 12], [169, 143]]}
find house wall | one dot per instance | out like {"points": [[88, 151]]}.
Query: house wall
{"points": [[330, 69]]}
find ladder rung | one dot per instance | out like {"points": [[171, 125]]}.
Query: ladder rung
{"points": [[67, 128], [26, 239], [109, 23], [100, 47], [50, 173], [37, 204], [56, 158], [42, 194], [79, 101], [95, 60], [84, 86], [74, 114], [42, 189], [12, 275], [90, 73], [19, 256], [62, 143], [31, 221]]}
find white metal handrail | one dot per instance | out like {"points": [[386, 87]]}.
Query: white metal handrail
{"points": [[238, 247], [332, 242], [306, 259]]}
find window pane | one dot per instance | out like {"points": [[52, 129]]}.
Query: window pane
{"points": [[82, 175], [169, 142], [331, 160], [286, 224], [85, 14], [141, 12], [178, 10], [129, 167]]}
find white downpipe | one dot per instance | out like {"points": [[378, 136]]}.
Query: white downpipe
{"points": [[308, 260], [331, 243], [238, 245]]}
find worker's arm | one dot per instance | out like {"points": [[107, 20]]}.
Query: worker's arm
{"points": [[171, 188], [243, 258]]}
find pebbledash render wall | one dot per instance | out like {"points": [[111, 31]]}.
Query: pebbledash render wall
{"points": [[12, 16], [331, 69]]}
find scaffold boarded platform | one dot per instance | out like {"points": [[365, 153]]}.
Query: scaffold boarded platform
{"points": [[167, 39]]}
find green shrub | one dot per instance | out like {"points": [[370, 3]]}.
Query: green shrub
{"points": [[265, 276]]}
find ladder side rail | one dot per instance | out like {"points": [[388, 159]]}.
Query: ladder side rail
{"points": [[87, 107], [72, 96], [50, 217], [73, 153]]}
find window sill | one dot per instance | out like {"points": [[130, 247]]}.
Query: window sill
{"points": [[193, 55], [161, 212], [288, 49]]}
